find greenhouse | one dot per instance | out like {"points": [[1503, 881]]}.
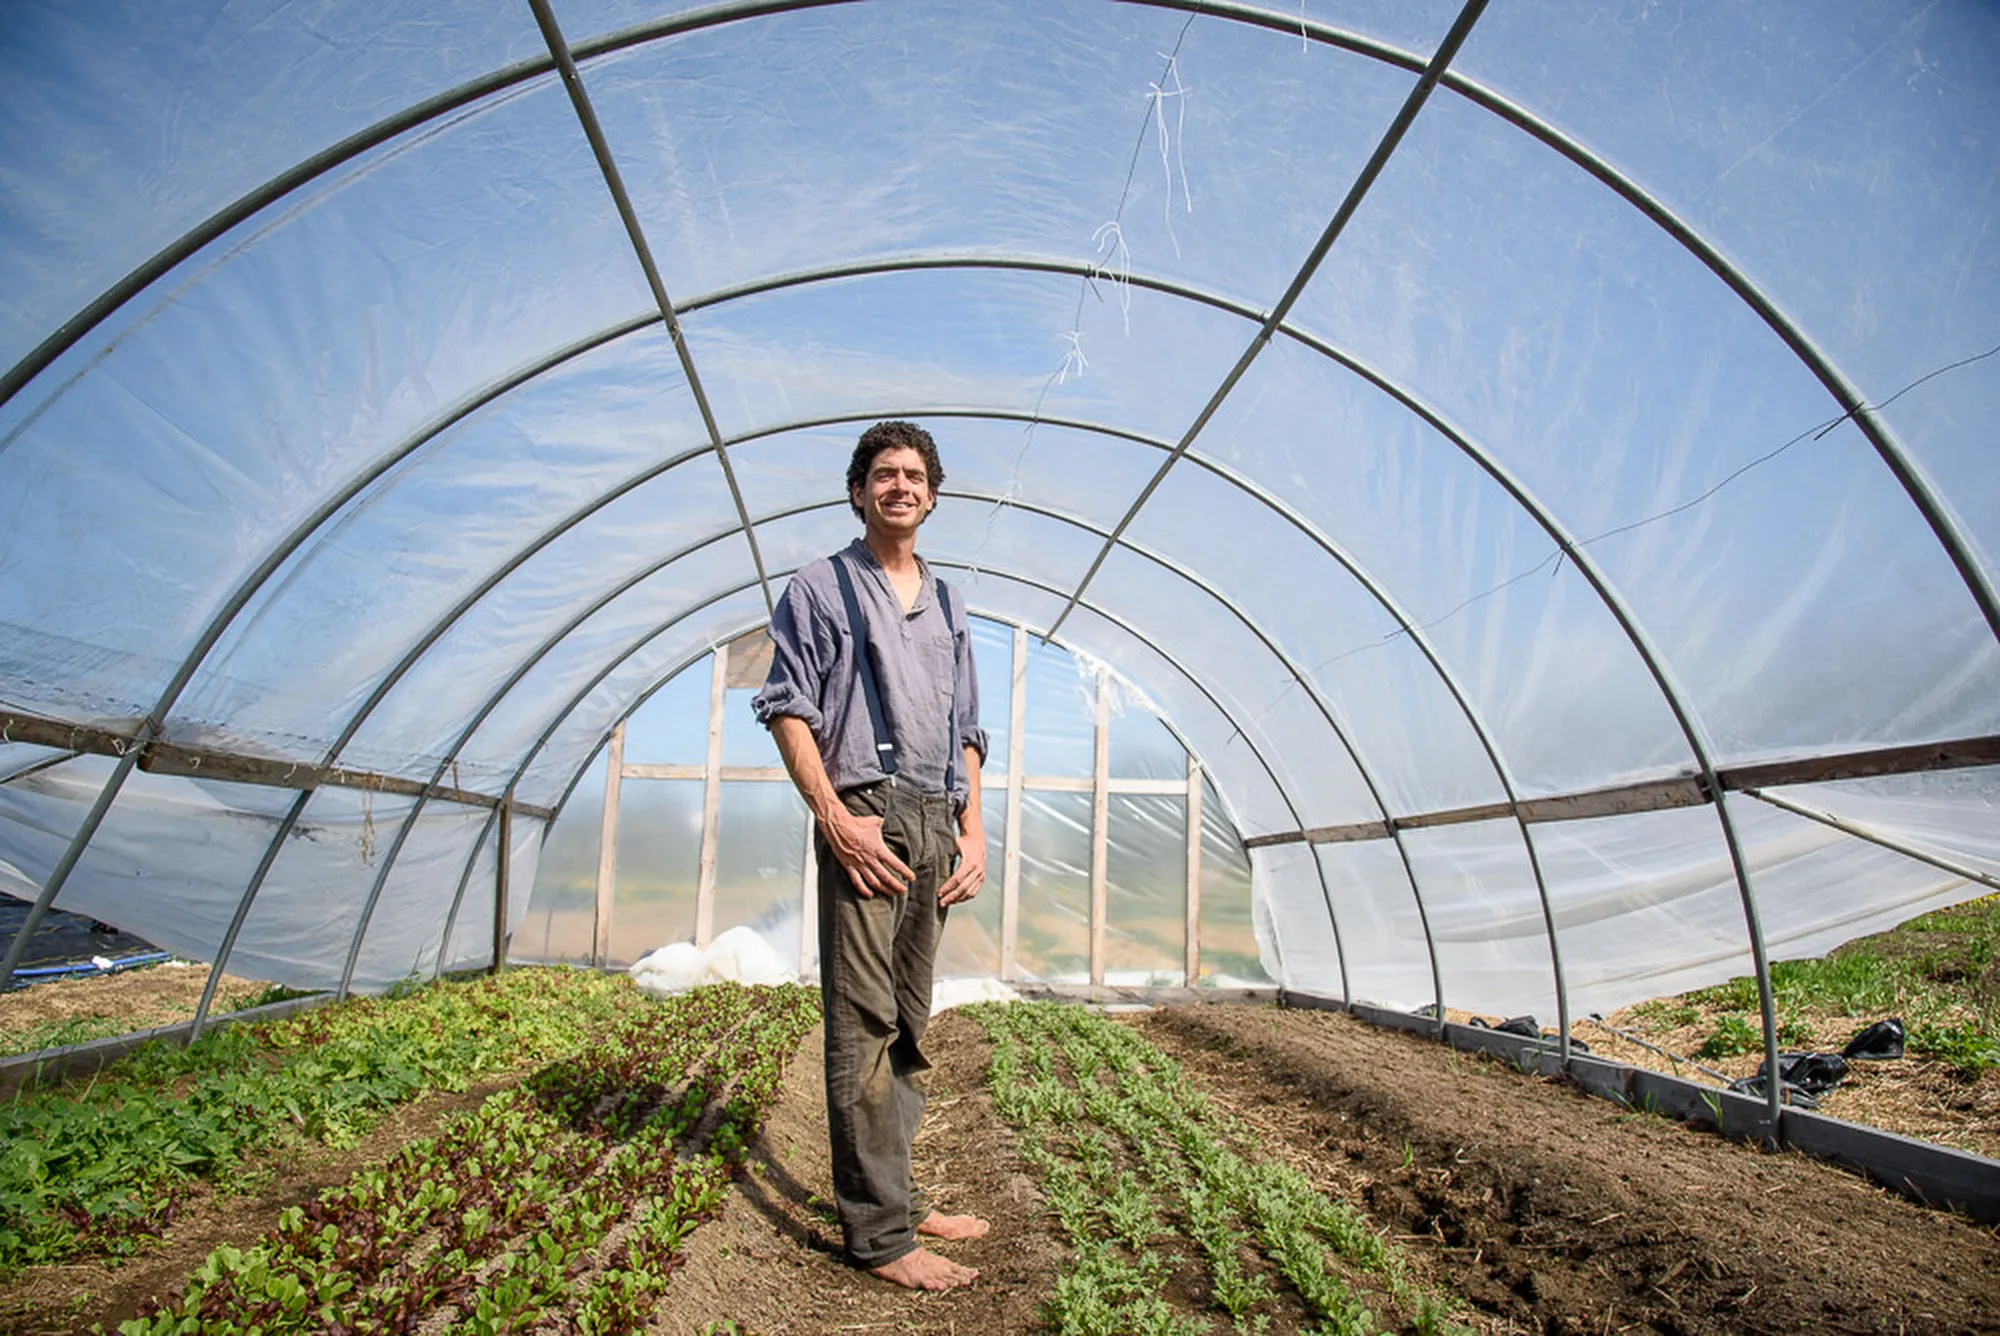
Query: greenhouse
{"points": [[1463, 508]]}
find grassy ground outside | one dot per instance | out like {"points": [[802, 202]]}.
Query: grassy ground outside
{"points": [[1939, 974], [62, 1012]]}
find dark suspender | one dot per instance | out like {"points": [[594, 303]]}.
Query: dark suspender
{"points": [[857, 625], [871, 691], [951, 747]]}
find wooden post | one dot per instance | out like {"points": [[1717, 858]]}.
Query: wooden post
{"points": [[711, 800], [1100, 820], [1192, 975], [607, 849], [501, 872], [1010, 848]]}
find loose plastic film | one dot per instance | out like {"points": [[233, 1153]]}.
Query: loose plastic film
{"points": [[1492, 506]]}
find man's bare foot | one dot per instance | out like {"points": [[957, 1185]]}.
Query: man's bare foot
{"points": [[952, 1226], [921, 1270]]}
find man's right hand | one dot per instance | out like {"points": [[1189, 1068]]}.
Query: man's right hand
{"points": [[857, 842]]}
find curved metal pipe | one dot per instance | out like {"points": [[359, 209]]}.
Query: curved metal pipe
{"points": [[465, 879], [1406, 115], [1222, 711], [607, 166], [1830, 377], [1641, 643], [247, 206], [1299, 677], [243, 903]]}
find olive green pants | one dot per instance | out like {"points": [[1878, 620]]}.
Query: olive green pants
{"points": [[876, 957]]}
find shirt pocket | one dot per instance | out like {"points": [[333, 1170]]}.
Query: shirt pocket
{"points": [[937, 651]]}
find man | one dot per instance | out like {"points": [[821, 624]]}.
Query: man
{"points": [[874, 706]]}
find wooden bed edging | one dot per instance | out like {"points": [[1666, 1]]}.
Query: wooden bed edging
{"points": [[1934, 1175]]}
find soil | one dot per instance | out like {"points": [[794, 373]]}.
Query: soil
{"points": [[1552, 1211], [120, 1003], [1545, 1210]]}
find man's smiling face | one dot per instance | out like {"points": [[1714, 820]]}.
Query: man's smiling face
{"points": [[896, 495]]}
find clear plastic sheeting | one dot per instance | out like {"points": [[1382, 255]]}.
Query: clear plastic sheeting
{"points": [[1050, 909], [180, 907], [970, 945], [20, 759], [118, 152], [1608, 475], [1309, 953], [1233, 928], [1850, 198], [1055, 887], [489, 474], [1952, 816], [1486, 916], [1381, 925], [1145, 918]]}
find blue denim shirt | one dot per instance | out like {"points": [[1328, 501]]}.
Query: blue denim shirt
{"points": [[921, 663]]}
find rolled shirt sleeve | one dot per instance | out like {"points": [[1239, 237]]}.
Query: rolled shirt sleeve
{"points": [[799, 662], [970, 734]]}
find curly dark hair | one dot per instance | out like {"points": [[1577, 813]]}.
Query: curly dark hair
{"points": [[892, 436]]}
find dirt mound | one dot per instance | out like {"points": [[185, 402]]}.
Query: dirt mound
{"points": [[1544, 1210], [1556, 1212], [771, 1263]]}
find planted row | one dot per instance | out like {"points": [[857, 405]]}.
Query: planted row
{"points": [[1148, 1180], [562, 1202], [93, 1168]]}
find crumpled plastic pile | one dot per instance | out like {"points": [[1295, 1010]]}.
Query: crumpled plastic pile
{"points": [[1804, 1077], [743, 955]]}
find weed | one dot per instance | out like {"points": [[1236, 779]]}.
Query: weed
{"points": [[1967, 1049], [1667, 1013], [1793, 1032], [1851, 982], [1732, 1034], [1739, 994], [1712, 1100]]}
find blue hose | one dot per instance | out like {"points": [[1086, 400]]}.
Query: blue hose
{"points": [[86, 967]]}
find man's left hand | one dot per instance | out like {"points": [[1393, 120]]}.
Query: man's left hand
{"points": [[970, 875]]}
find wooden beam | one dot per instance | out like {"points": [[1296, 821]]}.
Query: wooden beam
{"points": [[711, 800], [645, 770], [1100, 823], [99, 741], [1456, 816], [172, 758], [1160, 788], [1191, 972], [1010, 852], [1360, 830], [607, 849], [1920, 759], [1653, 796]]}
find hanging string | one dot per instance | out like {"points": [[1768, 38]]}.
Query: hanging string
{"points": [[1170, 141]]}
